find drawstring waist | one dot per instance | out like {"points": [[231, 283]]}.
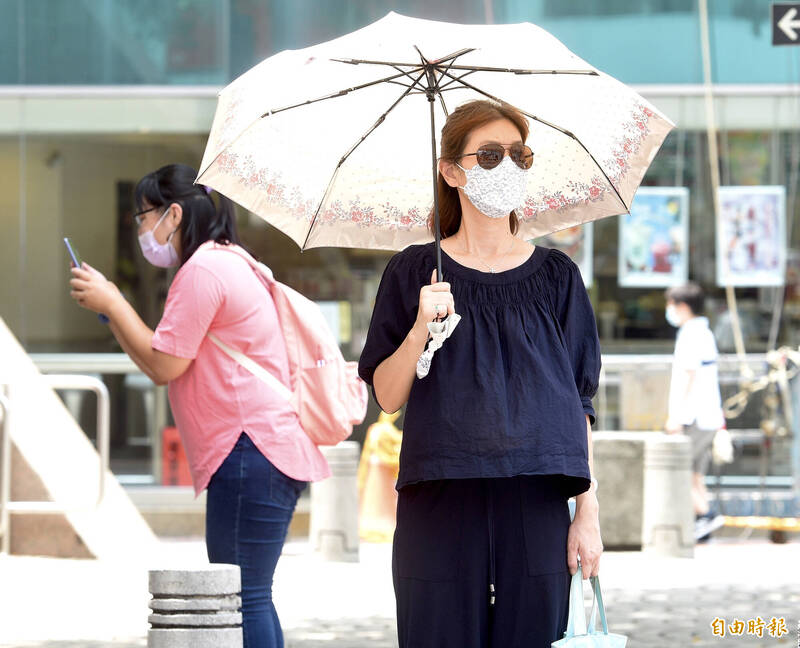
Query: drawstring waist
{"points": [[490, 525]]}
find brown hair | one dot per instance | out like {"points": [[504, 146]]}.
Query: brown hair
{"points": [[460, 123]]}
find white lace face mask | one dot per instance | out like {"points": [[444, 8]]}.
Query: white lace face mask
{"points": [[495, 192]]}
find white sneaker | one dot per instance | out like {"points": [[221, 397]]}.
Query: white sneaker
{"points": [[706, 524]]}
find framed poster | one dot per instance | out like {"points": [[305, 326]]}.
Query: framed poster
{"points": [[577, 243], [751, 236], [654, 238]]}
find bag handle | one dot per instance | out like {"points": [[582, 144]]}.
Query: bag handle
{"points": [[576, 622], [597, 604]]}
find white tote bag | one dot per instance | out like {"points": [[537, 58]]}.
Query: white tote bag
{"points": [[577, 634]]}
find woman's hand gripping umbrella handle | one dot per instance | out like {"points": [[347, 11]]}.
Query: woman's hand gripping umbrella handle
{"points": [[439, 300], [394, 376]]}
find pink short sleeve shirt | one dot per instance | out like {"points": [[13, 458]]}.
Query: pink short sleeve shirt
{"points": [[216, 399]]}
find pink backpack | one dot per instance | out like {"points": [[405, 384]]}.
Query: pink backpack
{"points": [[326, 391]]}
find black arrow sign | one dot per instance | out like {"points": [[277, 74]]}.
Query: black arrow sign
{"points": [[786, 23]]}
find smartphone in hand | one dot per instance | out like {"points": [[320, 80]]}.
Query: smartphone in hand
{"points": [[73, 253], [78, 263]]}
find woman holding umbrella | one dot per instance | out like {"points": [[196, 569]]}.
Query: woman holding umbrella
{"points": [[497, 436], [243, 441]]}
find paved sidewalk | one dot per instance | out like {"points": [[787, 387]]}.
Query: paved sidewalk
{"points": [[657, 602]]}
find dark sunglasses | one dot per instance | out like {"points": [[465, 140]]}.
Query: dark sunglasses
{"points": [[490, 155]]}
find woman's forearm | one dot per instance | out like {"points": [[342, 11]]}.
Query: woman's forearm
{"points": [[130, 350], [136, 339], [588, 500], [394, 376]]}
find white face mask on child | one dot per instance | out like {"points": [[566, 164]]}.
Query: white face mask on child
{"points": [[671, 316], [162, 255]]}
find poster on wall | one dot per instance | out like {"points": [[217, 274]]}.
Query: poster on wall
{"points": [[654, 238], [751, 236], [577, 243]]}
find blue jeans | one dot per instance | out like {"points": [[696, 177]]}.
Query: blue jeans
{"points": [[248, 509]]}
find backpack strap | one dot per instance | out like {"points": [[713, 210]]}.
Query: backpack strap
{"points": [[259, 267], [254, 368]]}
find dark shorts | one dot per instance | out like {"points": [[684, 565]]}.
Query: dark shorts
{"points": [[455, 538], [701, 447]]}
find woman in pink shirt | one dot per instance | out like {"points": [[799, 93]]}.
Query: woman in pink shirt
{"points": [[243, 441]]}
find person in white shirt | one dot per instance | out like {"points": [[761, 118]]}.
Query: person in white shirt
{"points": [[695, 405]]}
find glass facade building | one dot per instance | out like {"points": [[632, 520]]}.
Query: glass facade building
{"points": [[96, 93]]}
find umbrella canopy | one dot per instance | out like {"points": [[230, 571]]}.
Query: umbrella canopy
{"points": [[332, 143]]}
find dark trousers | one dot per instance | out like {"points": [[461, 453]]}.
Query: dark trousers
{"points": [[248, 510], [457, 538]]}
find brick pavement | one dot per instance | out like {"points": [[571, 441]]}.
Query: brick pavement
{"points": [[657, 602]]}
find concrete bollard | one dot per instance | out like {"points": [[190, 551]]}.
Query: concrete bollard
{"points": [[334, 505], [668, 516], [619, 468], [196, 608]]}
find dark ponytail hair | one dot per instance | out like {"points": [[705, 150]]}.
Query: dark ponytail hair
{"points": [[203, 219]]}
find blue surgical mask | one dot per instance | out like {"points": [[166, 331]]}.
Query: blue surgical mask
{"points": [[671, 315]]}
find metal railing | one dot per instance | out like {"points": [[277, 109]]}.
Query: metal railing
{"points": [[112, 363], [7, 507], [616, 364]]}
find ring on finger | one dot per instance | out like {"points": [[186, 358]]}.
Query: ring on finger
{"points": [[437, 308]]}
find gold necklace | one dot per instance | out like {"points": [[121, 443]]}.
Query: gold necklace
{"points": [[505, 254]]}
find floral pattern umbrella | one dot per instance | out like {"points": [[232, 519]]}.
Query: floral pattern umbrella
{"points": [[334, 144]]}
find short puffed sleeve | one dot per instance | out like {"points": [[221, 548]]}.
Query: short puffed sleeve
{"points": [[393, 315], [577, 322]]}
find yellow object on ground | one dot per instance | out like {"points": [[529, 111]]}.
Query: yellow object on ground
{"points": [[759, 522], [377, 477]]}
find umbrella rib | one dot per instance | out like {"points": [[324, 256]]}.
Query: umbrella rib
{"points": [[393, 64], [444, 59], [449, 83], [473, 68], [445, 70], [414, 82], [444, 107], [478, 68], [404, 85], [556, 127], [340, 93], [450, 57], [371, 130]]}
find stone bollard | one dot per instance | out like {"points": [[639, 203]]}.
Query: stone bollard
{"points": [[334, 505], [196, 608], [619, 468], [668, 516]]}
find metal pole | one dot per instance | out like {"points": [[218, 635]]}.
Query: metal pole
{"points": [[5, 474], [713, 163], [794, 388]]}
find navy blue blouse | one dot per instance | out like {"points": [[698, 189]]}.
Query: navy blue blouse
{"points": [[507, 393]]}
